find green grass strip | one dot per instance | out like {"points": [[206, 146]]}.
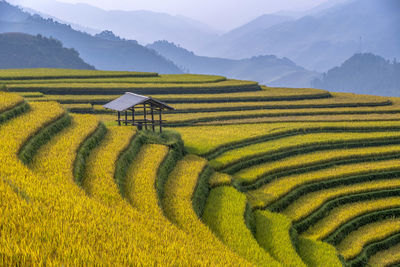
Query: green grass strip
{"points": [[322, 211], [318, 253], [224, 214], [30, 148], [14, 112], [202, 191], [369, 250], [84, 150], [274, 234]]}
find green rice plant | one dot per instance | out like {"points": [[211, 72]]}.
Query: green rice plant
{"points": [[273, 233], [224, 213], [317, 253]]}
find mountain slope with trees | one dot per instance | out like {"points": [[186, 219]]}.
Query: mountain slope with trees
{"points": [[19, 50], [363, 74]]}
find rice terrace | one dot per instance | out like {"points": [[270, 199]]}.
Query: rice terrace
{"points": [[242, 174]]}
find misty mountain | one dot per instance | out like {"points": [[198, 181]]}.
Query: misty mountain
{"points": [[268, 70], [324, 39], [363, 74], [19, 50], [73, 25], [99, 52], [143, 26]]}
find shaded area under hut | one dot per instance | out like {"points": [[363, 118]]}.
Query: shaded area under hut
{"points": [[142, 111]]}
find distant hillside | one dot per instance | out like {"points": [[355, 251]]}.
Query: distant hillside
{"points": [[26, 51], [143, 26], [268, 70], [102, 53], [322, 40], [363, 74]]}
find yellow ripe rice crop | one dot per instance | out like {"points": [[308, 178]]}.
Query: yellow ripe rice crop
{"points": [[387, 257], [179, 189], [296, 161], [219, 179], [308, 203], [277, 188], [198, 139], [59, 224], [178, 205], [317, 253], [64, 146], [236, 155], [272, 233], [344, 213], [143, 196], [18, 74], [338, 99], [98, 180], [353, 244], [141, 179], [167, 78], [224, 213], [8, 101], [130, 86]]}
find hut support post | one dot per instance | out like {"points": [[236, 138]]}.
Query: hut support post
{"points": [[152, 119], [126, 117], [144, 115], [133, 116], [119, 118], [160, 121]]}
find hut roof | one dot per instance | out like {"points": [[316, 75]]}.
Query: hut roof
{"points": [[129, 100]]}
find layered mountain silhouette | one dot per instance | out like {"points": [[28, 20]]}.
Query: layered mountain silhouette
{"points": [[365, 74], [143, 26], [268, 70], [102, 53], [19, 50], [320, 40]]}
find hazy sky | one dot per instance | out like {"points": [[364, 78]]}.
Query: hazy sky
{"points": [[221, 14]]}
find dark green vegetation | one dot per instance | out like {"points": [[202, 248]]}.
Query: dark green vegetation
{"points": [[19, 50]]}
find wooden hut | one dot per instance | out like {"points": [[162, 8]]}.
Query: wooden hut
{"points": [[135, 103]]}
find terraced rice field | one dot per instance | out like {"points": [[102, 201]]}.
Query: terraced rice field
{"points": [[244, 174]]}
